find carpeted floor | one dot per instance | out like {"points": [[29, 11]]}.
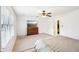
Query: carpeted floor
{"points": [[26, 43], [56, 43]]}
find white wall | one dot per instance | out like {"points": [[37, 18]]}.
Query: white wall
{"points": [[21, 25], [45, 25], [70, 22]]}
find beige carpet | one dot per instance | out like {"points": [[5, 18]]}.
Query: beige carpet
{"points": [[26, 43], [57, 44], [62, 44]]}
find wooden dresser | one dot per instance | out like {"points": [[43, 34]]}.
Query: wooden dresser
{"points": [[31, 30]]}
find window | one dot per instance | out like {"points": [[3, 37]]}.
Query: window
{"points": [[7, 26]]}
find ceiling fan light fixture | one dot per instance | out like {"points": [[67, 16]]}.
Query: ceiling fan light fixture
{"points": [[44, 13]]}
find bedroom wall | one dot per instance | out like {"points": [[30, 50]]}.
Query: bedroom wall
{"points": [[70, 24], [21, 25], [45, 24]]}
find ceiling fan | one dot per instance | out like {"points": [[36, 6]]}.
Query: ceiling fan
{"points": [[45, 13]]}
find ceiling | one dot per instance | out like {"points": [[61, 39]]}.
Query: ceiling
{"points": [[36, 10]]}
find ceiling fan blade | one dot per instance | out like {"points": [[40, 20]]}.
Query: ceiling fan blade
{"points": [[49, 13]]}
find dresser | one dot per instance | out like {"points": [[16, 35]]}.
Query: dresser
{"points": [[31, 30]]}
